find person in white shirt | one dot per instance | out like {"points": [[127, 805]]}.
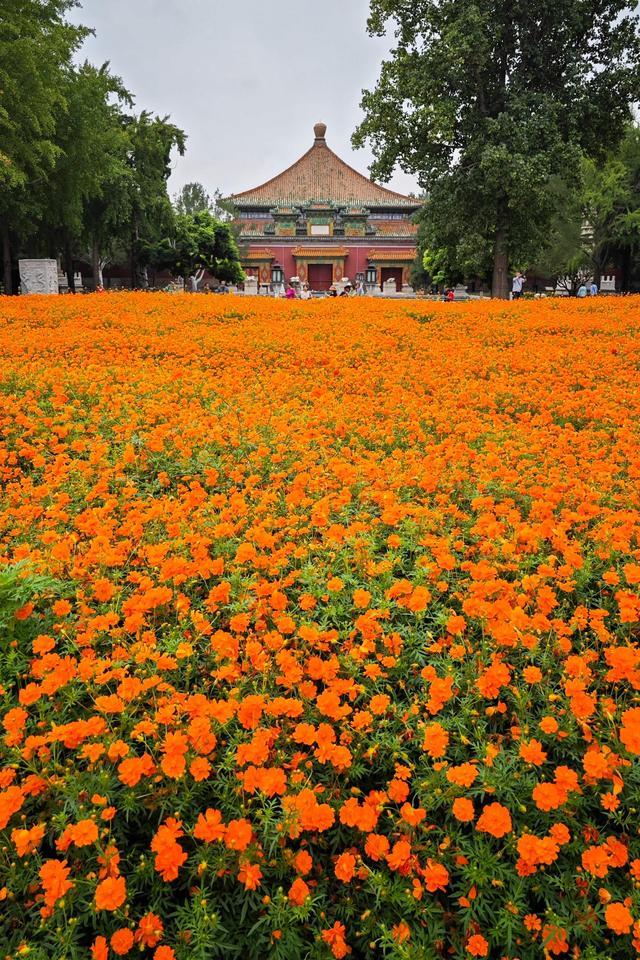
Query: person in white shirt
{"points": [[517, 285]]}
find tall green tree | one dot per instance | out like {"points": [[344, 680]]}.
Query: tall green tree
{"points": [[92, 161], [611, 200], [486, 100], [151, 142], [200, 242], [193, 198], [36, 45], [596, 224]]}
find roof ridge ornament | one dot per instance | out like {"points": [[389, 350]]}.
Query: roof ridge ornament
{"points": [[319, 131]]}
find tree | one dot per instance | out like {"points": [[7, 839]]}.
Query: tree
{"points": [[193, 198], [596, 224], [487, 101], [565, 259], [92, 160], [200, 242], [36, 44], [151, 142], [612, 208]]}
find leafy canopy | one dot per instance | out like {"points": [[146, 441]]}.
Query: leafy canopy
{"points": [[486, 100], [200, 242]]}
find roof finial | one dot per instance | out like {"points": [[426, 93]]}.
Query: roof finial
{"points": [[319, 130]]}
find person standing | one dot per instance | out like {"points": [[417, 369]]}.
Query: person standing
{"points": [[517, 285], [593, 289], [290, 293]]}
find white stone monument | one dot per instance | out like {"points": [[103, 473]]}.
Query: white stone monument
{"points": [[251, 286], [607, 284], [389, 287], [38, 276]]}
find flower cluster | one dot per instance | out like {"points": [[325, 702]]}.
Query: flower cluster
{"points": [[320, 629]]}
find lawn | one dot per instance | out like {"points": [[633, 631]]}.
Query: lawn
{"points": [[319, 628]]}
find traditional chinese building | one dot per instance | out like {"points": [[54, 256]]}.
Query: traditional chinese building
{"points": [[321, 220]]}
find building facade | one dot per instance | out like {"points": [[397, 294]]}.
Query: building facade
{"points": [[321, 221]]}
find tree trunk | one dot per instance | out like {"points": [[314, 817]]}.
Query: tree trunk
{"points": [[68, 266], [96, 267], [625, 271], [6, 257], [500, 279]]}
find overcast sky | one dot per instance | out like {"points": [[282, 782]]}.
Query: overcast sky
{"points": [[245, 79]]}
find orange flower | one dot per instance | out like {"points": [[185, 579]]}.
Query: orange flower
{"points": [[298, 892], [630, 730], [412, 815], [376, 846], [477, 946], [26, 841], [401, 932], [169, 854], [303, 862], [238, 834], [618, 917], [55, 883], [436, 740], [361, 598], [463, 775], [209, 826], [533, 753], [99, 949], [163, 953], [84, 833], [436, 876], [463, 810], [121, 941], [111, 893], [345, 867], [495, 820], [11, 801], [335, 938], [250, 875], [150, 930], [555, 939]]}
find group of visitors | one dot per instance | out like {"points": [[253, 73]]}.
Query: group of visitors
{"points": [[519, 281], [303, 292]]}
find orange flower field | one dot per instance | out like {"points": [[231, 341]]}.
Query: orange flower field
{"points": [[319, 628]]}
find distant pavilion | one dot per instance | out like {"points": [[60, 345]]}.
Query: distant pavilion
{"points": [[320, 220]]}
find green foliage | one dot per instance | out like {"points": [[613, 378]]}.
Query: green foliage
{"points": [[193, 198], [76, 171], [486, 102], [596, 222], [152, 140], [36, 44], [612, 207], [199, 242]]}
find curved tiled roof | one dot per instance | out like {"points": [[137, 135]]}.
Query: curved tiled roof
{"points": [[320, 174]]}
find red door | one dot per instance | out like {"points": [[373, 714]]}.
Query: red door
{"points": [[392, 273], [319, 276]]}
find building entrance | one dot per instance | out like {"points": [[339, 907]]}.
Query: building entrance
{"points": [[392, 273], [320, 276]]}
